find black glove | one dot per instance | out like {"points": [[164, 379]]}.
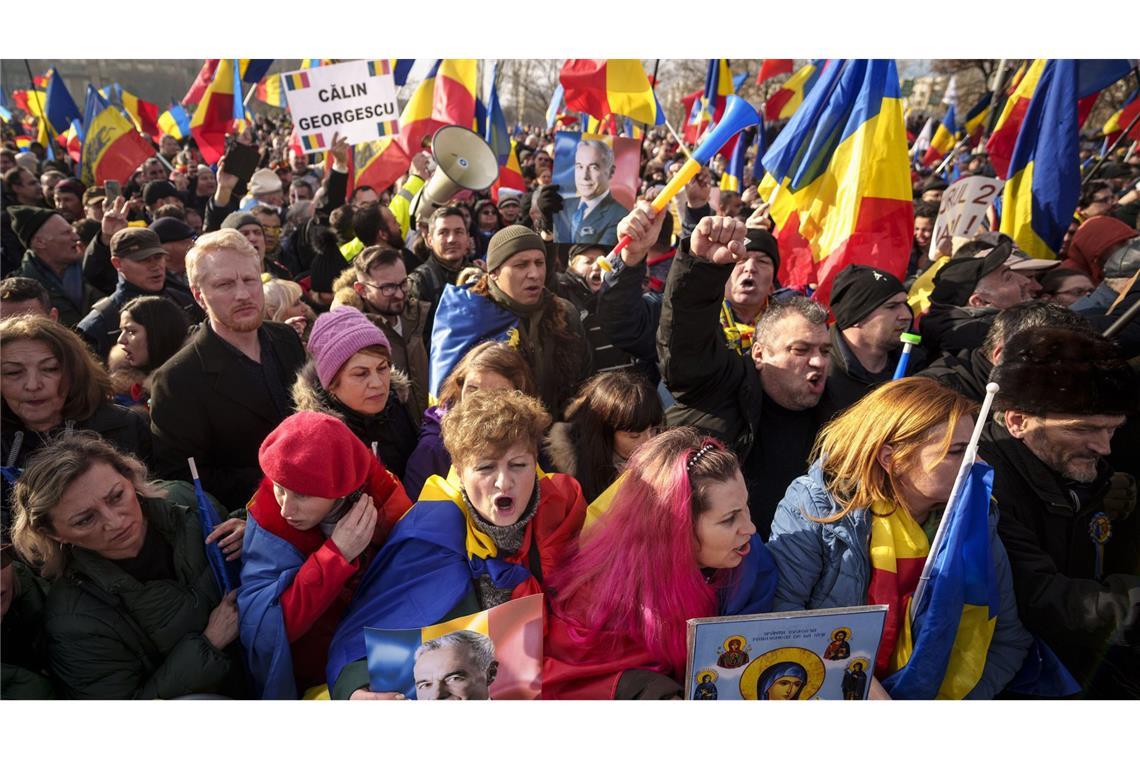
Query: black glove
{"points": [[548, 202], [1120, 499]]}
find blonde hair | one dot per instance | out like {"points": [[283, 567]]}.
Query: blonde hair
{"points": [[901, 414], [213, 242], [280, 295], [84, 383], [50, 472], [491, 422]]}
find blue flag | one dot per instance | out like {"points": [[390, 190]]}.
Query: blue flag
{"points": [[227, 574], [495, 128], [555, 106], [463, 320], [61, 108]]}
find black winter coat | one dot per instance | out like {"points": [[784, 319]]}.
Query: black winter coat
{"points": [[1092, 625], [203, 405]]}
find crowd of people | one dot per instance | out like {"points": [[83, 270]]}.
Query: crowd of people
{"points": [[680, 437]]}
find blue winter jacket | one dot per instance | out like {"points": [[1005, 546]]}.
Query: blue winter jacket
{"points": [[824, 565]]}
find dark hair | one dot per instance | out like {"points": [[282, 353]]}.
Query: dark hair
{"points": [[1090, 191], [170, 210], [166, 327], [487, 357], [341, 222], [812, 311], [358, 190], [86, 229], [375, 256], [17, 289], [1053, 280], [925, 209], [1022, 316], [445, 211], [606, 403], [367, 223]]}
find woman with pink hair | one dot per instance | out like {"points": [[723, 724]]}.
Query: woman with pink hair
{"points": [[676, 543]]}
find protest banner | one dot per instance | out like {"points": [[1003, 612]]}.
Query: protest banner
{"points": [[356, 99], [962, 213]]}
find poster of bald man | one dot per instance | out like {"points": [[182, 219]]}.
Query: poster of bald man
{"points": [[597, 176], [494, 654]]}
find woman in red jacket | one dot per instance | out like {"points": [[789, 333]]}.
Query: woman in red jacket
{"points": [[322, 510]]}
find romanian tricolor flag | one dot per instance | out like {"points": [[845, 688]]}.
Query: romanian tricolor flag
{"points": [[943, 139], [733, 177], [1092, 77], [60, 107], [313, 142], [957, 614], [462, 321], [142, 113], [215, 113], [253, 70], [695, 120], [718, 86], [453, 98], [976, 118], [34, 104], [297, 80], [1044, 174], [1120, 120], [1004, 137], [510, 175], [842, 169], [72, 140], [175, 122], [774, 67], [201, 82], [416, 121], [271, 92], [112, 149], [600, 87], [782, 103], [379, 163]]}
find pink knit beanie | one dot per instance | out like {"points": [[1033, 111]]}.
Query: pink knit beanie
{"points": [[339, 334]]}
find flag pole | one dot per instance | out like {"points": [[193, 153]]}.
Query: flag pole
{"points": [[996, 107], [52, 136], [1100, 161], [968, 459]]}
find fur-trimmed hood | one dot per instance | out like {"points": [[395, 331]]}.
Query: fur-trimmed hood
{"points": [[561, 448], [307, 397]]}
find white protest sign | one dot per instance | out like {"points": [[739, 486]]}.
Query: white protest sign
{"points": [[356, 99], [962, 212]]}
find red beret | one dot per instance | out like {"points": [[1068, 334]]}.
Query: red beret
{"points": [[315, 455]]}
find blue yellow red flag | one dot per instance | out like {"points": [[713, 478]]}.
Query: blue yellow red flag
{"points": [[454, 93], [975, 121], [112, 149], [956, 617], [1044, 182], [462, 321], [733, 177], [842, 169], [271, 92], [175, 122], [782, 103], [416, 120], [943, 139], [215, 113], [1122, 117]]}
